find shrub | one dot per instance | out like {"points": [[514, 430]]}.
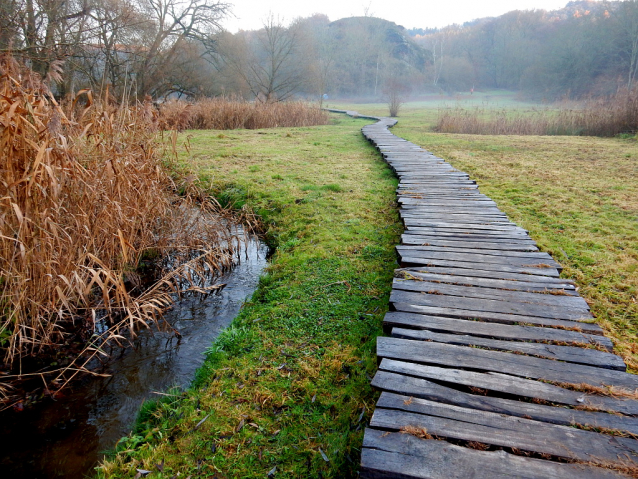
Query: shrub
{"points": [[608, 116]]}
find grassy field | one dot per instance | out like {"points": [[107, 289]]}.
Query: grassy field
{"points": [[577, 196], [285, 390], [424, 111]]}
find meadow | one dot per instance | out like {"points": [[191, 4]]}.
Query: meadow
{"points": [[286, 389]]}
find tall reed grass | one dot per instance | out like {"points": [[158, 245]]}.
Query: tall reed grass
{"points": [[231, 114], [86, 197], [600, 117]]}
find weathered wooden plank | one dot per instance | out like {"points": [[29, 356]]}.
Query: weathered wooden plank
{"points": [[471, 291], [461, 218], [481, 273], [410, 182], [540, 257], [429, 172], [569, 354], [395, 411], [492, 330], [462, 266], [460, 243], [457, 246], [460, 229], [415, 386], [491, 306], [409, 199], [536, 260], [473, 207], [417, 223], [510, 386], [456, 210], [443, 231], [457, 214], [442, 203], [562, 289], [426, 194], [485, 316], [503, 362], [403, 456], [469, 237]]}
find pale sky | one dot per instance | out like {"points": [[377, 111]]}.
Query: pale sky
{"points": [[409, 13]]}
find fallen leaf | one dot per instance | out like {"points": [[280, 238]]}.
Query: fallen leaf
{"points": [[323, 454]]}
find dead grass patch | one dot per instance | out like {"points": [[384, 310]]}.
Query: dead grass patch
{"points": [[609, 391], [416, 431], [599, 117], [231, 114]]}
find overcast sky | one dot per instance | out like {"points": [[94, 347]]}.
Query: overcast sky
{"points": [[409, 13]]}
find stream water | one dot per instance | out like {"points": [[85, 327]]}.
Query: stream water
{"points": [[67, 437]]}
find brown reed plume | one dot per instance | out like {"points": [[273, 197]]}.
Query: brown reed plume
{"points": [[608, 116], [230, 113], [86, 198]]}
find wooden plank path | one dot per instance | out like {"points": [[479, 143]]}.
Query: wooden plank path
{"points": [[493, 365]]}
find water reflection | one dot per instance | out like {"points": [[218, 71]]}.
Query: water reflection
{"points": [[65, 438]]}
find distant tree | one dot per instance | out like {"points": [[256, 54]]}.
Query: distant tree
{"points": [[8, 26], [266, 60], [173, 23], [395, 90], [625, 18]]}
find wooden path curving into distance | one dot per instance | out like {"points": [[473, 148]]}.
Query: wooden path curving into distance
{"points": [[492, 366]]}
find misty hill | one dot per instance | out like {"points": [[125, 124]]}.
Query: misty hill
{"points": [[586, 48], [390, 38]]}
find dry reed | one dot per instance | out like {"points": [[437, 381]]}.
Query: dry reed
{"points": [[600, 117], [231, 114], [85, 199]]}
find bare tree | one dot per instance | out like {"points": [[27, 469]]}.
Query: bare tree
{"points": [[394, 90], [173, 22], [625, 14], [267, 60]]}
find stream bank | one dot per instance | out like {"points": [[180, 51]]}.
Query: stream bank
{"points": [[66, 437]]}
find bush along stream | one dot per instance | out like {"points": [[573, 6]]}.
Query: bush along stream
{"points": [[285, 390]]}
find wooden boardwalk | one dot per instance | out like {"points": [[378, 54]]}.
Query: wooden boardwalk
{"points": [[493, 366]]}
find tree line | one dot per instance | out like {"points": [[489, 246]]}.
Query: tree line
{"points": [[179, 47], [164, 47], [588, 48]]}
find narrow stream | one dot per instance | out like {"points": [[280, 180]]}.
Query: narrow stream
{"points": [[66, 438]]}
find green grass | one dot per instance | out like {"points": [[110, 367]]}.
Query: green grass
{"points": [[289, 382]]}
